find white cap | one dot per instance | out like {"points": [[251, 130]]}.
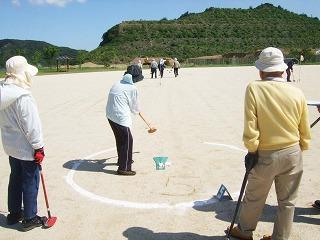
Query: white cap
{"points": [[271, 60], [19, 65], [19, 72]]}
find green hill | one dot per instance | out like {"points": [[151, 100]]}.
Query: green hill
{"points": [[37, 52], [212, 32]]}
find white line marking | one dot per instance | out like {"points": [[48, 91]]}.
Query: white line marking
{"points": [[225, 145], [127, 204]]}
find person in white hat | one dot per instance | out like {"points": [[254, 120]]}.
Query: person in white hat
{"points": [[276, 131], [176, 66], [140, 64], [161, 67], [22, 141]]}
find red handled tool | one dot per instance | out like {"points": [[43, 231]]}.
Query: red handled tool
{"points": [[51, 220]]}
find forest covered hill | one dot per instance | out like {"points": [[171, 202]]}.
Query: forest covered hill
{"points": [[215, 32], [212, 32], [37, 52]]}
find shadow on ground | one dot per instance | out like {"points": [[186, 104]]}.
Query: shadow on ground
{"points": [[139, 233], [224, 210], [94, 165]]}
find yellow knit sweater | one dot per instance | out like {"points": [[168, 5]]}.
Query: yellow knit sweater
{"points": [[275, 116]]}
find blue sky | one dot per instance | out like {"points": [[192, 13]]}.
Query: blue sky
{"points": [[80, 24]]}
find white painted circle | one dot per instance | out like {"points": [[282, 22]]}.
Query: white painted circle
{"points": [[225, 145], [127, 204]]}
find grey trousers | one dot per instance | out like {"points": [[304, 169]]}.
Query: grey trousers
{"points": [[283, 167]]}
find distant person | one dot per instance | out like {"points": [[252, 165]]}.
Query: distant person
{"points": [[289, 69], [122, 101], [154, 67], [276, 131], [140, 64], [22, 141], [176, 66], [161, 67]]}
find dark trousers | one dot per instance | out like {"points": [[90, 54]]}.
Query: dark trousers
{"points": [[153, 71], [23, 187], [175, 70], [288, 75], [124, 142], [161, 72]]}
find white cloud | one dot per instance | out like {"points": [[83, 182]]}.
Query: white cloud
{"points": [[16, 3], [59, 3]]}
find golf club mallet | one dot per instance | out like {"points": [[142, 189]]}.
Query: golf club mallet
{"points": [[51, 220], [151, 129], [315, 122], [243, 186]]}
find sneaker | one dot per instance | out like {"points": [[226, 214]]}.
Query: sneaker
{"points": [[236, 233], [28, 224], [14, 218], [266, 237], [316, 204], [126, 173]]}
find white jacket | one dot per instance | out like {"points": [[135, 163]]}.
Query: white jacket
{"points": [[122, 101], [19, 122]]}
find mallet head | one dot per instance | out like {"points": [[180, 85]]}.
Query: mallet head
{"points": [[152, 130], [50, 222]]}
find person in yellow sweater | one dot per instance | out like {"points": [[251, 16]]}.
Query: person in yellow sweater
{"points": [[276, 131]]}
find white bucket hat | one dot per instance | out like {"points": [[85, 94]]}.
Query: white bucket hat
{"points": [[271, 60], [19, 72]]}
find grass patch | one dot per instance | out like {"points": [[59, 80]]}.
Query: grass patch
{"points": [[122, 67], [48, 71], [53, 71]]}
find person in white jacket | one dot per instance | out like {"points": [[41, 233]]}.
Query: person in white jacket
{"points": [[22, 141], [122, 102]]}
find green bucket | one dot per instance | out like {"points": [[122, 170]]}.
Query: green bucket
{"points": [[160, 162]]}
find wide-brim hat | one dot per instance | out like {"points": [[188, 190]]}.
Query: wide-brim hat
{"points": [[18, 65], [136, 72], [271, 60]]}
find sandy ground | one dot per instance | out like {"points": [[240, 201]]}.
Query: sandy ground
{"points": [[202, 105]]}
